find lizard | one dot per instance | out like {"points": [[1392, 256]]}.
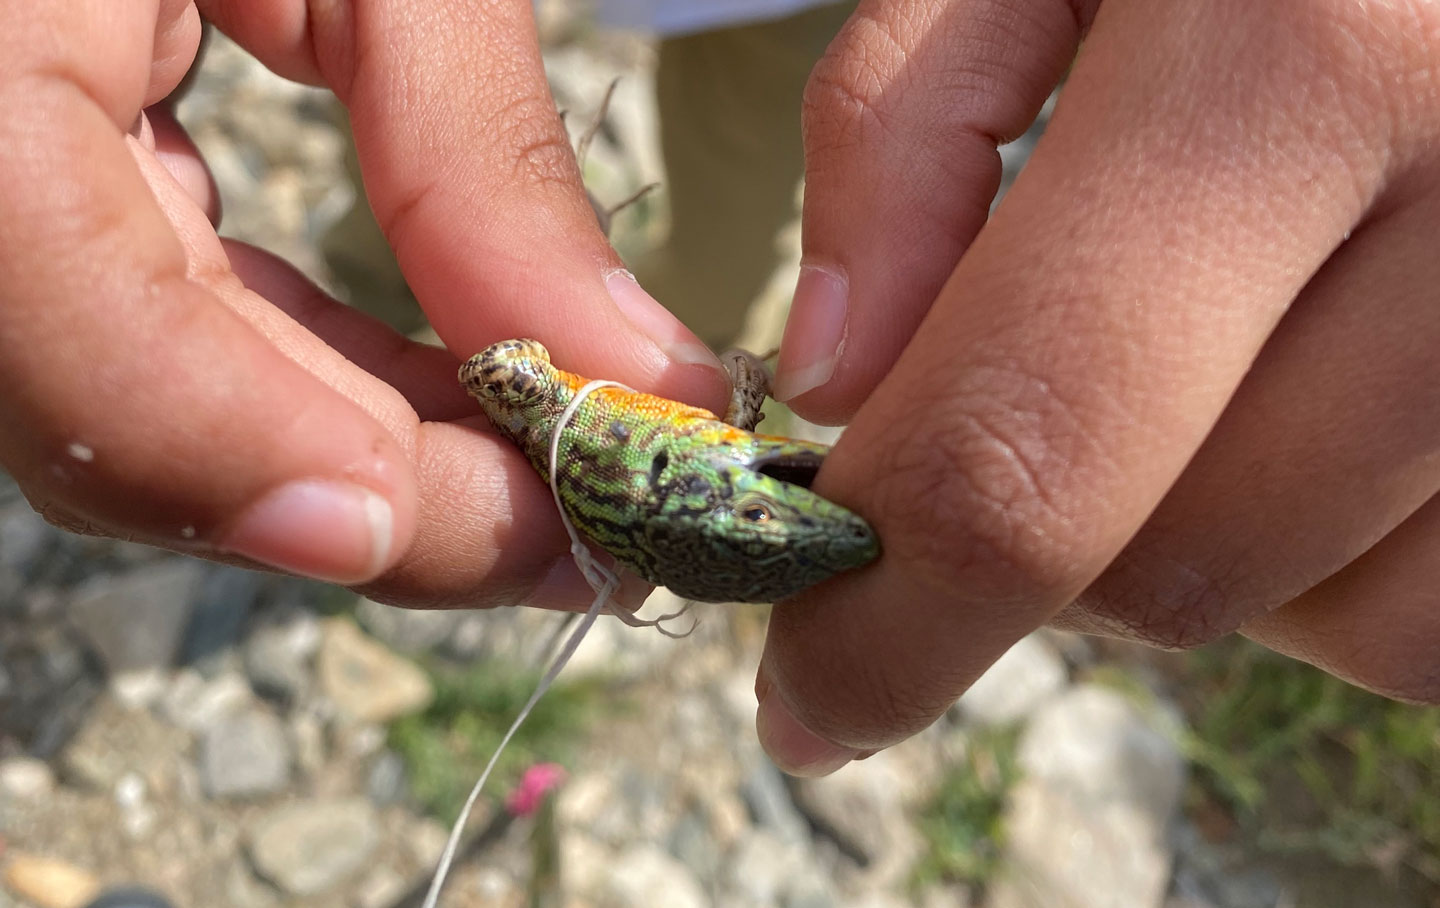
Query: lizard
{"points": [[702, 505]]}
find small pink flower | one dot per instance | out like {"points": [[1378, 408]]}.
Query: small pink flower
{"points": [[538, 781]]}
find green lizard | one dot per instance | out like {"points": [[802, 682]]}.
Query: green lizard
{"points": [[703, 506]]}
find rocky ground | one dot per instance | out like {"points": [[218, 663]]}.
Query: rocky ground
{"points": [[233, 738], [220, 735]]}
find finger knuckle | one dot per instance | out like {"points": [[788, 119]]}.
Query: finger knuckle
{"points": [[989, 492], [535, 142], [845, 98], [1165, 603]]}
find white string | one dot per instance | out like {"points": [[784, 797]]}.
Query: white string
{"points": [[602, 580]]}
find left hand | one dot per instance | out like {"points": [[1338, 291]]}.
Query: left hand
{"points": [[1183, 383]]}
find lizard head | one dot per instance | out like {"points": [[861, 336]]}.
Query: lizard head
{"points": [[510, 380], [513, 372], [740, 523]]}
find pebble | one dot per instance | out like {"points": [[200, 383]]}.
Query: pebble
{"points": [[26, 778], [49, 882], [643, 871], [24, 537], [407, 630], [771, 805], [139, 688], [1087, 826], [1093, 742], [309, 847], [137, 816], [613, 650], [137, 620], [222, 607], [115, 741], [862, 809], [279, 650], [245, 755], [1029, 674], [366, 681], [194, 702], [243, 889], [382, 887], [761, 868], [385, 783]]}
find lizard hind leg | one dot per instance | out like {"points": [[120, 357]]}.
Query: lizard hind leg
{"points": [[630, 620]]}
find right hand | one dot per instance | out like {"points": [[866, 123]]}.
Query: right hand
{"points": [[161, 385]]}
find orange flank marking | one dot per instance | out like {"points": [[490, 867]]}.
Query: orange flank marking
{"points": [[646, 406]]}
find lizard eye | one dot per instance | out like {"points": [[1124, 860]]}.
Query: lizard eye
{"points": [[755, 513]]}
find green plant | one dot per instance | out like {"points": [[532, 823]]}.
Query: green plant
{"points": [[1306, 762], [962, 824], [446, 746]]}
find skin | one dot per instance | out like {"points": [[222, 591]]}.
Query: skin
{"points": [[1182, 385]]}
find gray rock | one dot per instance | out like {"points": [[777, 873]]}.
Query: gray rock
{"points": [[768, 797], [1088, 826], [279, 650], [1064, 853], [309, 847], [1027, 676], [136, 620], [861, 808], [1209, 875], [407, 630], [244, 755], [691, 842], [810, 887], [1094, 743], [139, 688], [115, 741], [642, 873], [137, 815], [243, 889], [25, 778], [194, 702], [761, 868], [382, 887], [613, 650], [385, 783], [366, 681], [24, 538], [221, 609]]}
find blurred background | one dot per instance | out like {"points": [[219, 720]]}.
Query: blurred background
{"points": [[230, 738]]}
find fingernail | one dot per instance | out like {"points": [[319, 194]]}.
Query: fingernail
{"points": [[792, 746], [332, 531], [656, 322], [814, 332]]}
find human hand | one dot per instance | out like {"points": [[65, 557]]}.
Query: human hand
{"points": [[161, 385], [1182, 384]]}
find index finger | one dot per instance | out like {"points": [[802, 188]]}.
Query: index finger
{"points": [[1201, 166], [470, 173]]}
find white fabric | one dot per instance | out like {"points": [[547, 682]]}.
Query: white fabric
{"points": [[674, 17]]}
